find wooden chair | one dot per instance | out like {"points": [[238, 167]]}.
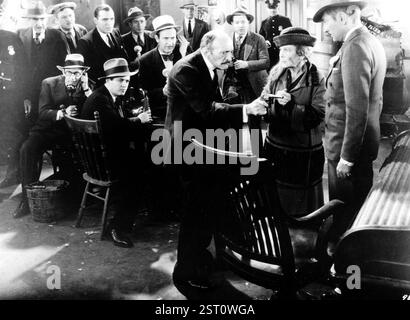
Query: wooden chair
{"points": [[89, 144], [259, 242]]}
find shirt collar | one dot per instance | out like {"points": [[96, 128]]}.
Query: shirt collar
{"points": [[104, 36], [42, 35], [351, 31], [209, 65], [65, 32]]}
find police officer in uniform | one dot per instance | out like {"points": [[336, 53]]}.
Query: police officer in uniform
{"points": [[12, 87], [272, 27]]}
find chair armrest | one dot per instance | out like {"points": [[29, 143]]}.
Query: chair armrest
{"points": [[331, 208]]}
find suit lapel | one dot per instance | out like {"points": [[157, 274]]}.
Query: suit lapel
{"points": [[248, 46], [28, 39], [333, 63], [158, 60]]}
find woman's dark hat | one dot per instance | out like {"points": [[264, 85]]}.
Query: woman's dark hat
{"points": [[295, 36]]}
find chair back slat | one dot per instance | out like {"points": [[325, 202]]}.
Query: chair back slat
{"points": [[89, 143]]}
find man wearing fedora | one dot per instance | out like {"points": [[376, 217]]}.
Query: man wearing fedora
{"points": [[272, 27], [138, 41], [195, 102], [118, 133], [61, 94], [13, 86], [45, 48], [102, 43], [354, 102], [194, 29], [65, 16]]}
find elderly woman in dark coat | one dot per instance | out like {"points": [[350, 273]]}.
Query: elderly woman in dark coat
{"points": [[295, 118]]}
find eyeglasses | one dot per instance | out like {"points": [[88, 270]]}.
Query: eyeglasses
{"points": [[76, 74]]}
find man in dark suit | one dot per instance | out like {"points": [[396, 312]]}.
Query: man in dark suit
{"points": [[118, 132], [45, 49], [194, 29], [65, 16], [61, 94], [272, 27], [13, 85], [354, 103], [194, 101], [102, 43], [137, 41]]}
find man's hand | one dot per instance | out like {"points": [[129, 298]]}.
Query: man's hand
{"points": [[240, 64], [286, 97], [343, 170], [145, 117], [27, 107], [137, 112], [72, 111], [84, 82], [257, 107]]}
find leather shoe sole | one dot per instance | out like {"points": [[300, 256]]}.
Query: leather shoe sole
{"points": [[120, 240]]}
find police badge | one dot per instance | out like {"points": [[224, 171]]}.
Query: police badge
{"points": [[11, 50]]}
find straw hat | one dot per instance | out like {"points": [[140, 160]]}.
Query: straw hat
{"points": [[117, 67], [330, 4], [162, 23]]}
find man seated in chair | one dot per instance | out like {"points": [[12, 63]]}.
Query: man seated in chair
{"points": [[61, 94], [118, 132]]}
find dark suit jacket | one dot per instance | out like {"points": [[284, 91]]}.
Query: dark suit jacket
{"points": [[129, 44], [201, 27], [192, 97], [117, 131], [79, 31], [355, 98], [270, 28], [96, 52], [53, 94], [53, 51], [152, 79]]}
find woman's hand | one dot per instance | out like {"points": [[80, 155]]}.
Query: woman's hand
{"points": [[286, 97]]}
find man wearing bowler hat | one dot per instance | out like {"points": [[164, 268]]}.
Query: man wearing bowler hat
{"points": [[118, 132], [137, 41], [354, 92], [61, 94], [65, 15], [194, 29]]}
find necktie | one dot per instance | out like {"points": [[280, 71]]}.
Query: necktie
{"points": [[189, 28], [168, 57], [37, 39], [238, 44], [118, 107], [288, 79], [140, 41], [110, 42], [70, 41]]}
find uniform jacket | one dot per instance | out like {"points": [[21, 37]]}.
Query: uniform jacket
{"points": [[96, 52], [270, 28], [201, 27], [355, 98]]}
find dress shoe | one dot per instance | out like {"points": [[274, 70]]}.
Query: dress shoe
{"points": [[198, 284], [9, 180], [120, 240], [21, 210]]}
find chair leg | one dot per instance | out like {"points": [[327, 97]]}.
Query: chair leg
{"points": [[82, 206], [104, 215]]}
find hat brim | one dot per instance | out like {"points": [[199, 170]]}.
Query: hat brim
{"points": [[229, 18], [318, 17], [29, 16], [177, 28], [128, 19], [120, 74], [73, 67], [294, 39], [188, 5]]}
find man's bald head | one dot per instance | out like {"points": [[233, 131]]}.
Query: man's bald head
{"points": [[217, 46]]}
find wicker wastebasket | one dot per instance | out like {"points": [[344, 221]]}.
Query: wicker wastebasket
{"points": [[45, 200]]}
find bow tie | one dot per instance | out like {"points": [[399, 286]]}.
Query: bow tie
{"points": [[168, 57]]}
